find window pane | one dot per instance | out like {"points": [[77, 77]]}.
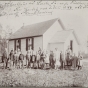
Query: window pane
{"points": [[30, 41]]}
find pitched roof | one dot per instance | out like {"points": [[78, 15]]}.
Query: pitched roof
{"points": [[33, 30], [61, 36]]}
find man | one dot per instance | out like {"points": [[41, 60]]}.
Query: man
{"points": [[30, 51], [74, 61], [15, 59], [18, 54], [68, 54], [61, 60], [51, 59], [21, 58], [5, 60]]}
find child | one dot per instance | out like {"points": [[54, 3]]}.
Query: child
{"points": [[47, 60], [28, 57], [80, 62], [38, 59]]}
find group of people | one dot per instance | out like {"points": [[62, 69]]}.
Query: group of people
{"points": [[36, 60]]}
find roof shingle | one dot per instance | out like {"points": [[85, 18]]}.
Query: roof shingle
{"points": [[33, 30]]}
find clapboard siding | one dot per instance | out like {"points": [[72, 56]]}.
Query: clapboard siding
{"points": [[75, 44], [23, 46], [11, 45], [50, 33], [59, 46], [38, 42]]}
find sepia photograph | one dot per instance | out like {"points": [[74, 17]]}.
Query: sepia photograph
{"points": [[44, 43]]}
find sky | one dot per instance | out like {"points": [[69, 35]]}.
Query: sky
{"points": [[74, 15]]}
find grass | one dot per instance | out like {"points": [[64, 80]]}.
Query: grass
{"points": [[46, 78]]}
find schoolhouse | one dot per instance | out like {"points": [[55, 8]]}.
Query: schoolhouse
{"points": [[47, 35]]}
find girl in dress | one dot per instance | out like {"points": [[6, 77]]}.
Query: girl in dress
{"points": [[28, 57], [47, 60], [38, 59], [57, 59], [42, 58]]}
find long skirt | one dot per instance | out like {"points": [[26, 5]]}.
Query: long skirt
{"points": [[58, 63]]}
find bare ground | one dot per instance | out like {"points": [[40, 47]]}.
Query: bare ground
{"points": [[47, 78]]}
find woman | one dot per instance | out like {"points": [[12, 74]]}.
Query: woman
{"points": [[47, 60], [28, 57], [38, 59], [42, 57], [57, 59], [80, 61]]}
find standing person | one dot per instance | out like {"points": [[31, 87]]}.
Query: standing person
{"points": [[39, 51], [68, 54], [47, 60], [30, 51], [57, 59], [80, 61], [38, 59], [15, 59], [51, 59], [28, 57], [18, 54], [5, 59], [21, 58], [42, 57], [34, 59], [74, 61], [11, 58], [61, 60]]}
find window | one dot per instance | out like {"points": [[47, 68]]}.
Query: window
{"points": [[71, 45], [17, 44], [29, 43]]}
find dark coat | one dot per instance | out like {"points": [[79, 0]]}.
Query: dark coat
{"points": [[21, 57]]}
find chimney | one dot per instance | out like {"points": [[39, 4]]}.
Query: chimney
{"points": [[23, 25], [62, 25]]}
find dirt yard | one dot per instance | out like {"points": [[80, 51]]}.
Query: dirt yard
{"points": [[47, 78]]}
